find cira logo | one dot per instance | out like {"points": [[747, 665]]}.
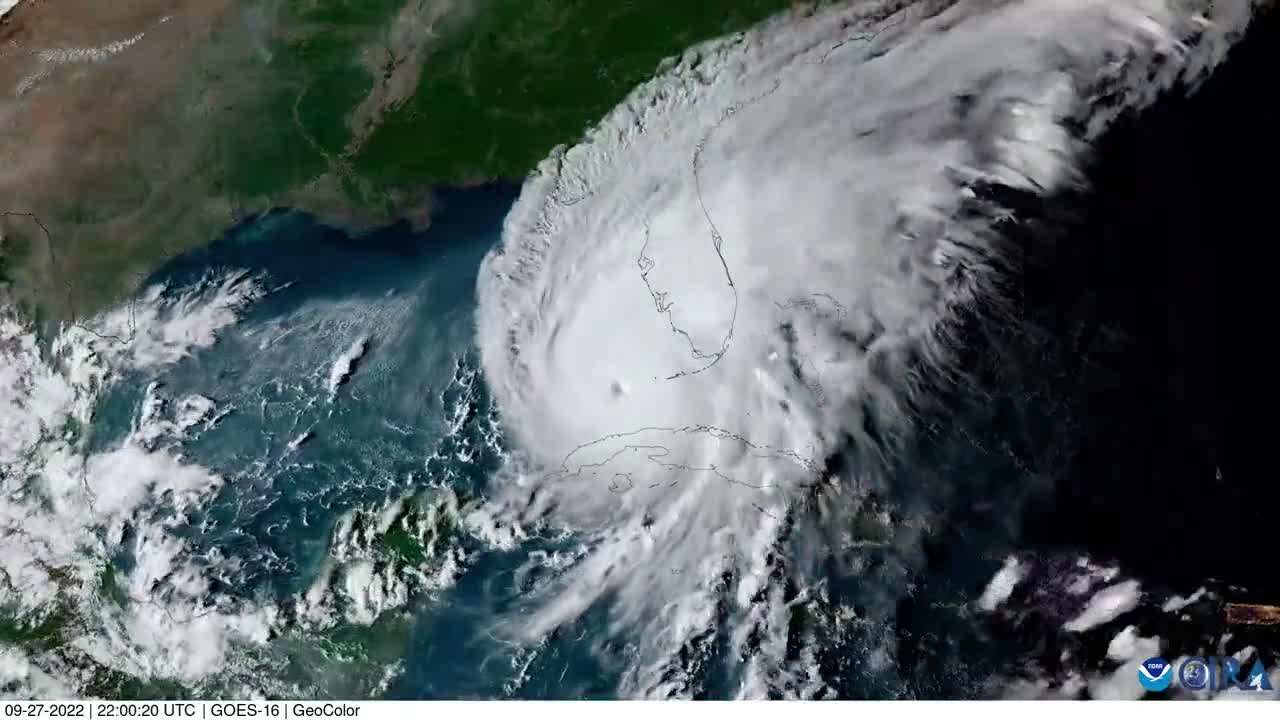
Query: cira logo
{"points": [[1222, 673]]}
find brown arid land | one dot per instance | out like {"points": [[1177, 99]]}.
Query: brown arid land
{"points": [[134, 130], [100, 128]]}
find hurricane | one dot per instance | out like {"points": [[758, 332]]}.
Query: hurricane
{"points": [[781, 381], [713, 325]]}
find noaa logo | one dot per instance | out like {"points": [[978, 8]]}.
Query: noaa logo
{"points": [[1155, 674]]}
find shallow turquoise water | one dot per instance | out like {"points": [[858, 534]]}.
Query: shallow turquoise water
{"points": [[299, 452]]}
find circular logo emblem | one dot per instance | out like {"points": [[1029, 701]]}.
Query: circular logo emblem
{"points": [[1155, 674], [1194, 674]]}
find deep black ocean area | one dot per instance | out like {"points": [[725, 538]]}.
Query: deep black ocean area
{"points": [[1157, 292]]}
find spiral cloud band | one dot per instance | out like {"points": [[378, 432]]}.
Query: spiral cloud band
{"points": [[758, 260]]}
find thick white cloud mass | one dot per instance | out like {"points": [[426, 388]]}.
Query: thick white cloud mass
{"points": [[758, 259]]}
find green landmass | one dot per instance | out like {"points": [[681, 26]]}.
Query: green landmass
{"points": [[502, 87], [350, 109], [522, 77], [43, 633]]}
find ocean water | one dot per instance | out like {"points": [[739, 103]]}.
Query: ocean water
{"points": [[302, 442], [350, 385]]}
